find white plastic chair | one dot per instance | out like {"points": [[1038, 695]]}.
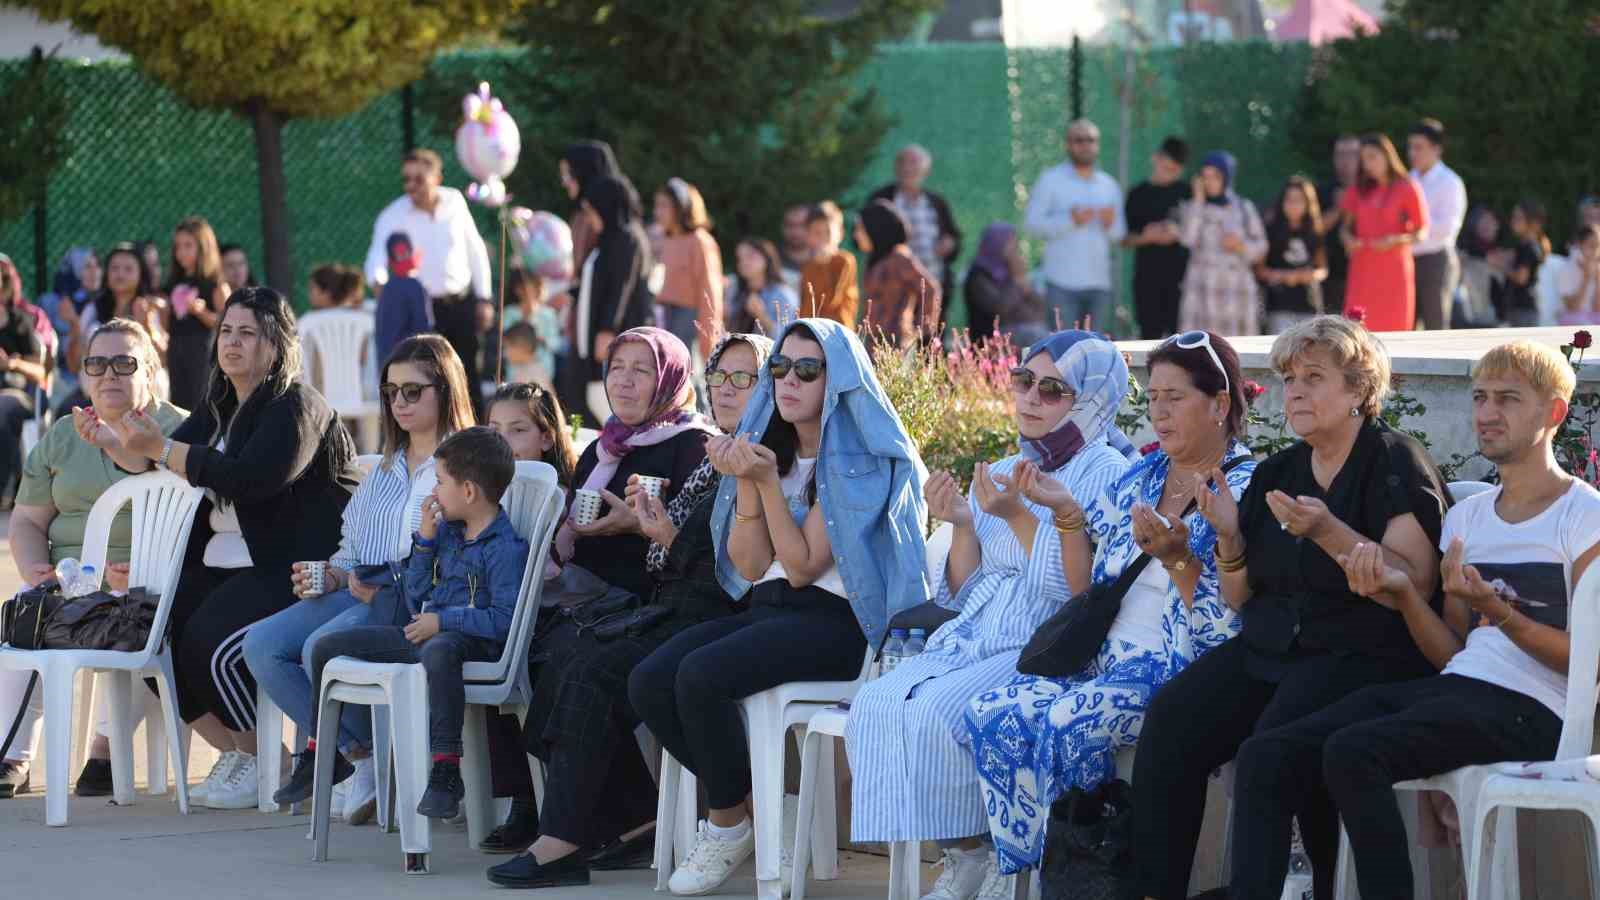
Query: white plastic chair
{"points": [[534, 502], [768, 717], [1501, 795], [335, 341], [582, 440], [1545, 291], [163, 511], [1461, 490]]}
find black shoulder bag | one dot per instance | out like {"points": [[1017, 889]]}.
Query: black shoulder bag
{"points": [[1067, 642]]}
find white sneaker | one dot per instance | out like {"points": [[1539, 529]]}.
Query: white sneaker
{"points": [[710, 862], [997, 886], [240, 790], [220, 770], [964, 873], [361, 798]]}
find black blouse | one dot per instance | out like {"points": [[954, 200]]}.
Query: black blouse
{"points": [[688, 582], [1300, 599]]}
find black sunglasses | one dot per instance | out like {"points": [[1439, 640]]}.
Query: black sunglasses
{"points": [[411, 391], [123, 365], [741, 380], [807, 368], [519, 392], [1051, 390]]}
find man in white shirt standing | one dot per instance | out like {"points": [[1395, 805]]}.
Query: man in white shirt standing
{"points": [[455, 263], [1077, 209], [1438, 270]]}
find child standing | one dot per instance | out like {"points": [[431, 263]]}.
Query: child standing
{"points": [[828, 282], [1519, 302], [461, 585], [403, 308], [1296, 262]]}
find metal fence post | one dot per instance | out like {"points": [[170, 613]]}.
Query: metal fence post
{"points": [[408, 119]]}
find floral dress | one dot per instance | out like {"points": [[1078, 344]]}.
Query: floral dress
{"points": [[1035, 738], [1219, 286]]}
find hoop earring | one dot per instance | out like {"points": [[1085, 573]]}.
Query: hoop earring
{"points": [[1354, 412]]}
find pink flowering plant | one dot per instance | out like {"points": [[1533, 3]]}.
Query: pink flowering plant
{"points": [[956, 405]]}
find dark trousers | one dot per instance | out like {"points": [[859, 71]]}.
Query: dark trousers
{"points": [[1359, 747], [442, 657], [509, 774], [1333, 295], [1436, 277], [688, 691], [456, 320], [1198, 721], [15, 409], [1155, 306], [211, 611]]}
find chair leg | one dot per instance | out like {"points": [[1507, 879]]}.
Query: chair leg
{"points": [[479, 800], [408, 711], [322, 778], [269, 750], [57, 745], [825, 821], [766, 733], [1421, 871], [810, 750], [156, 750], [382, 741], [666, 819], [119, 703], [177, 732], [1344, 875], [905, 870], [83, 723]]}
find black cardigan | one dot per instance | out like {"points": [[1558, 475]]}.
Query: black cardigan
{"points": [[947, 227], [288, 469]]}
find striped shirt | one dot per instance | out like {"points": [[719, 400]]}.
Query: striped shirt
{"points": [[383, 513]]}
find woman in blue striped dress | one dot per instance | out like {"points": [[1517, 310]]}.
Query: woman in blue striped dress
{"points": [[912, 773], [1036, 738]]}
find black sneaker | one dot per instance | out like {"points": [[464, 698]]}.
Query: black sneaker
{"points": [[635, 853], [525, 872], [520, 830], [303, 780], [14, 779], [442, 799], [95, 779]]}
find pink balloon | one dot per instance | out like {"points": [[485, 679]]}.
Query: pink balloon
{"points": [[487, 144]]}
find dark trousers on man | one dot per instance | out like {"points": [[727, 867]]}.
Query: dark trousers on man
{"points": [[1437, 276], [1155, 305], [442, 657], [1359, 747], [456, 320]]}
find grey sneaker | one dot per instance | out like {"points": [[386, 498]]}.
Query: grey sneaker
{"points": [[442, 799], [14, 779]]}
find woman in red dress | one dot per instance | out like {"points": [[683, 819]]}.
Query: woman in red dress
{"points": [[1386, 214]]}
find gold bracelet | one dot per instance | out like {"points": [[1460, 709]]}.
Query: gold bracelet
{"points": [[1068, 524], [1230, 565], [740, 518], [1510, 611]]}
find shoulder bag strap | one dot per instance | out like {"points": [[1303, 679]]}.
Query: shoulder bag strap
{"points": [[1131, 573]]}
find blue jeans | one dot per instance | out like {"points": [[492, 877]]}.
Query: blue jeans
{"points": [[278, 651], [1069, 306]]}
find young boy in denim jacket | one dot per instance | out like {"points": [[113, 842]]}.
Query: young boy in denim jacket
{"points": [[461, 583]]}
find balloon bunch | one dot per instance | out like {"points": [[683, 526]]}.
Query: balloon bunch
{"points": [[544, 241], [487, 143]]}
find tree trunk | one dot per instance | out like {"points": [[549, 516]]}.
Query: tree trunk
{"points": [[268, 126]]}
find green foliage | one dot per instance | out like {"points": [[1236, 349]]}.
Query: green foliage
{"points": [[1244, 98], [957, 407], [32, 134], [1513, 84]]}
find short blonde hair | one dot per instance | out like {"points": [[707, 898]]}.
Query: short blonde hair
{"points": [[1361, 356], [1543, 366]]}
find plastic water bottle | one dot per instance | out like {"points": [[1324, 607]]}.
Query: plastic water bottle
{"points": [[76, 579], [894, 650], [917, 642], [1299, 885]]}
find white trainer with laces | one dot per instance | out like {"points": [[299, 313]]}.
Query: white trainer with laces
{"points": [[239, 790], [220, 770], [964, 873], [361, 799], [997, 886], [710, 862]]}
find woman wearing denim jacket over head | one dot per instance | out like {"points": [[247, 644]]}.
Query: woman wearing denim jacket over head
{"points": [[825, 517]]}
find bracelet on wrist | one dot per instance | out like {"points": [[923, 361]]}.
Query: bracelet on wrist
{"points": [[1068, 524], [740, 517], [1510, 612], [1232, 565]]}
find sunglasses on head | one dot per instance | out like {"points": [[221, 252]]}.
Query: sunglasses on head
{"points": [[123, 365], [1051, 390], [1191, 340], [806, 368], [741, 380], [410, 391]]}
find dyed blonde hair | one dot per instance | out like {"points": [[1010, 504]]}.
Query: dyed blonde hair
{"points": [[1355, 351], [1542, 366]]}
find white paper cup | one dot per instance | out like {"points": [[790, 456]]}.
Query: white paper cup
{"points": [[586, 506], [651, 485], [316, 577]]}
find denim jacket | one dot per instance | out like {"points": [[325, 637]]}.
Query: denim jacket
{"points": [[869, 481], [472, 585]]}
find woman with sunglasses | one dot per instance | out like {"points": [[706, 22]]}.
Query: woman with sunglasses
{"points": [[1306, 639], [1035, 738], [61, 480], [819, 528], [1008, 570], [598, 789], [425, 400]]}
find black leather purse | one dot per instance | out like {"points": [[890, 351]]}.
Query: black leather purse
{"points": [[1067, 642]]}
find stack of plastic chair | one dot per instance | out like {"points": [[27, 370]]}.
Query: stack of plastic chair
{"points": [[336, 340], [535, 503], [163, 511]]}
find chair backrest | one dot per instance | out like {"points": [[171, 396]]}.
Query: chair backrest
{"points": [[1583, 627], [1461, 490], [164, 508], [1546, 294], [534, 501], [337, 339], [366, 462], [939, 552]]}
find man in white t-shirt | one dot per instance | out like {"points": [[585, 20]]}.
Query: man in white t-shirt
{"points": [[1512, 558]]}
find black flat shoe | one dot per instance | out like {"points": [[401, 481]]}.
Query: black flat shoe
{"points": [[619, 855], [95, 779], [525, 872], [514, 836]]}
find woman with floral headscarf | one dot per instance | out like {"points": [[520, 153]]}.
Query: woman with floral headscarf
{"points": [[1225, 238], [1008, 570]]}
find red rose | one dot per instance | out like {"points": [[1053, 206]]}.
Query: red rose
{"points": [[1356, 313], [1252, 390], [1149, 448], [1582, 340]]}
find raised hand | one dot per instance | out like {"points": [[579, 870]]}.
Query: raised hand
{"points": [[93, 431], [1372, 577], [1217, 506], [1169, 544], [653, 520], [1300, 516], [1045, 491], [1464, 581], [945, 501], [995, 495]]}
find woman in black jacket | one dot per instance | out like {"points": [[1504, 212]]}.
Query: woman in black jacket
{"points": [[613, 295], [278, 467]]}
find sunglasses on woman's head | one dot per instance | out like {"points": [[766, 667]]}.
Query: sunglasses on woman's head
{"points": [[806, 368], [519, 392], [410, 391], [1051, 390], [741, 380], [123, 365], [1191, 340]]}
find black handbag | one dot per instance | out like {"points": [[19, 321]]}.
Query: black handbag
{"points": [[1088, 847], [1067, 642], [633, 624], [23, 618]]}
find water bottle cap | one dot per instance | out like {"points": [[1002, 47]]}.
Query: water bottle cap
{"points": [[919, 632], [87, 567], [897, 632]]}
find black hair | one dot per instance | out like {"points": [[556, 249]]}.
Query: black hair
{"points": [[105, 305], [1203, 373], [1175, 149], [544, 408], [479, 455], [522, 332], [1432, 129], [885, 227], [396, 239], [781, 437]]}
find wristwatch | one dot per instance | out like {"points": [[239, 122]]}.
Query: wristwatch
{"points": [[166, 453]]}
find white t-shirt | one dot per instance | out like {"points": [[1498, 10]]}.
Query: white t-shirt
{"points": [[794, 490], [226, 549], [1535, 558], [1139, 620]]}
